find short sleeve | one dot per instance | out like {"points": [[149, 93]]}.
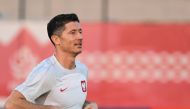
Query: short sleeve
{"points": [[36, 84]]}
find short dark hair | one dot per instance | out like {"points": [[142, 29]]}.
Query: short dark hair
{"points": [[57, 24]]}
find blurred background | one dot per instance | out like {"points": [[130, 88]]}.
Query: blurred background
{"points": [[137, 51]]}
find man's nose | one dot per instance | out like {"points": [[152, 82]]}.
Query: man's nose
{"points": [[79, 36]]}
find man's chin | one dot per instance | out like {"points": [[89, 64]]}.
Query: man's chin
{"points": [[78, 52]]}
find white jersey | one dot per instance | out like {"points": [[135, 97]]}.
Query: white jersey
{"points": [[51, 84]]}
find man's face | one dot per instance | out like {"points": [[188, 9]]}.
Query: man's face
{"points": [[71, 38]]}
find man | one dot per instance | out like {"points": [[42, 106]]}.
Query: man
{"points": [[58, 82]]}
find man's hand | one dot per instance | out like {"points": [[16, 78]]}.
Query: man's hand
{"points": [[91, 105]]}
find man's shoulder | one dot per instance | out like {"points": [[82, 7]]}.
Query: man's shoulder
{"points": [[44, 66], [81, 65], [41, 71], [47, 62]]}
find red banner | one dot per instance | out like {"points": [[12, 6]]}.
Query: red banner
{"points": [[131, 65]]}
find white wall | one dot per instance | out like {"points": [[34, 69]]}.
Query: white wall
{"points": [[91, 10]]}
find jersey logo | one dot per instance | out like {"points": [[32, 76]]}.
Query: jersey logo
{"points": [[83, 85], [61, 89]]}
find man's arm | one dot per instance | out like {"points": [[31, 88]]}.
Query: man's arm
{"points": [[17, 101]]}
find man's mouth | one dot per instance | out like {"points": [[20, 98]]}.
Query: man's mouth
{"points": [[78, 44]]}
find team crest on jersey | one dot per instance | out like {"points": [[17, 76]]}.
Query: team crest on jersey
{"points": [[83, 85]]}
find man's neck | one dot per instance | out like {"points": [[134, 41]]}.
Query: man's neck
{"points": [[66, 60]]}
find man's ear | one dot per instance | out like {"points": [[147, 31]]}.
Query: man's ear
{"points": [[56, 40]]}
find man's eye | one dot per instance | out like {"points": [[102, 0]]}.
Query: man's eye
{"points": [[80, 32], [73, 32]]}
